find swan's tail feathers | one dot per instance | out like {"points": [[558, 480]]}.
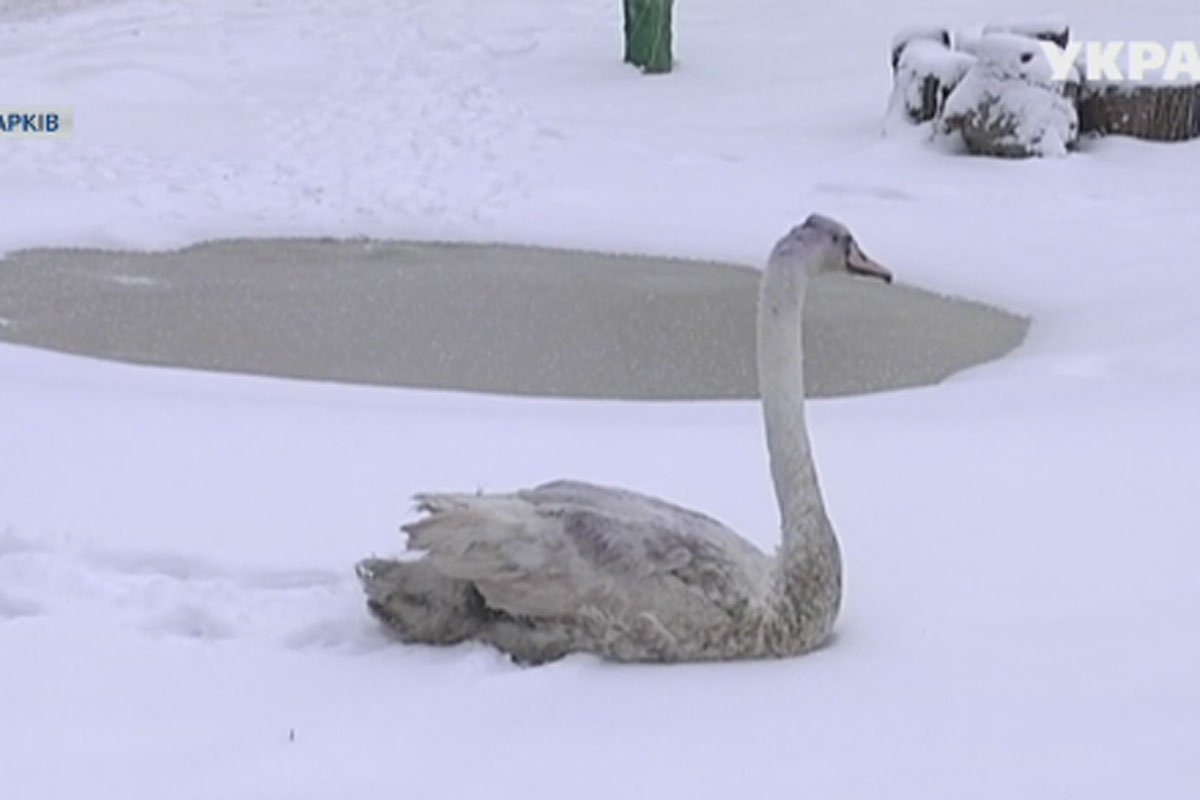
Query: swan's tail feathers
{"points": [[502, 544], [473, 537], [419, 604]]}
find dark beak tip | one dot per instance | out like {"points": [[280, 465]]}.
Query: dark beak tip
{"points": [[880, 274]]}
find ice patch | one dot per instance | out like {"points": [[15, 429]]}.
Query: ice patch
{"points": [[14, 10]]}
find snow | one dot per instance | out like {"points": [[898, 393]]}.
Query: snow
{"points": [[1036, 26], [178, 616], [1011, 88], [927, 33], [930, 33], [919, 60]]}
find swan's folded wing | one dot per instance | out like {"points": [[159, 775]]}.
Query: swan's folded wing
{"points": [[565, 546]]}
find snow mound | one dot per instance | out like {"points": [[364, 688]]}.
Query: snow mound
{"points": [[1009, 103], [1011, 56]]}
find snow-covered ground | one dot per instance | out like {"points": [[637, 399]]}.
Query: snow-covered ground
{"points": [[177, 614]]}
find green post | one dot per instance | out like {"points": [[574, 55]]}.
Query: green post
{"points": [[648, 34], [630, 11]]}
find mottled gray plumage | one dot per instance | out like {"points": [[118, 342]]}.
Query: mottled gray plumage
{"points": [[573, 567]]}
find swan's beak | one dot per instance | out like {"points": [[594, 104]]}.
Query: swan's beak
{"points": [[858, 263]]}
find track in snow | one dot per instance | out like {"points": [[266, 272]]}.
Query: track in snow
{"points": [[167, 595]]}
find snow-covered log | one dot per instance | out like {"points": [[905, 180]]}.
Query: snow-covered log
{"points": [[926, 73], [1167, 112], [1009, 103], [917, 34]]}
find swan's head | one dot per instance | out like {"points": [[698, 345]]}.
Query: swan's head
{"points": [[823, 245]]}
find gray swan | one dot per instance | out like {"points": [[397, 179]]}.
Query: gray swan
{"points": [[573, 567]]}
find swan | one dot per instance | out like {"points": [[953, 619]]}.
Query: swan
{"points": [[573, 567]]}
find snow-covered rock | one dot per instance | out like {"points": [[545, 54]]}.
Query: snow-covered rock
{"points": [[1009, 104]]}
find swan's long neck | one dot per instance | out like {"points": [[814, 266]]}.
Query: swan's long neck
{"points": [[809, 561]]}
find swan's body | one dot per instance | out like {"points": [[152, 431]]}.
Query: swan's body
{"points": [[572, 567]]}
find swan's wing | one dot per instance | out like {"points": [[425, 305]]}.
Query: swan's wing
{"points": [[563, 546]]}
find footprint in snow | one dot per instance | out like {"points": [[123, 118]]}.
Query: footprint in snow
{"points": [[857, 190], [173, 595], [13, 545], [12, 607], [191, 622]]}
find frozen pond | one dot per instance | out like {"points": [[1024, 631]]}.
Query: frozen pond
{"points": [[490, 318]]}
